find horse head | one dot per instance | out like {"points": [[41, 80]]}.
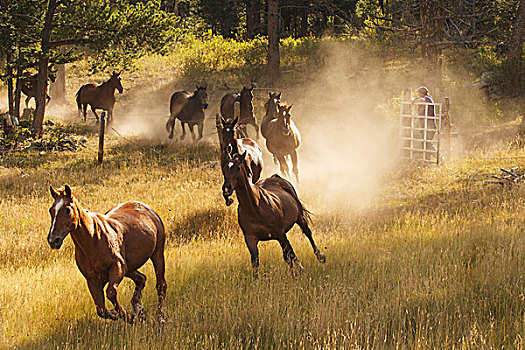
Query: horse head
{"points": [[116, 82], [283, 117], [232, 174], [202, 95], [271, 104], [228, 134], [246, 96], [65, 216]]}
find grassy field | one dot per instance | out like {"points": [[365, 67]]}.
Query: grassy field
{"points": [[417, 256]]}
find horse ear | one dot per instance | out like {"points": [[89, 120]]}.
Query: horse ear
{"points": [[290, 107], [113, 73], [279, 96], [68, 191], [54, 193], [205, 85], [223, 121], [270, 94], [235, 120], [243, 156]]}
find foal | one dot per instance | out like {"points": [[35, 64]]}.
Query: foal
{"points": [[267, 210], [110, 247]]}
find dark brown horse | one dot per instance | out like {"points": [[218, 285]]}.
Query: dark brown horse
{"points": [[231, 145], [271, 112], [189, 109], [267, 210], [228, 105], [282, 140], [29, 84], [99, 97], [246, 116], [110, 247]]}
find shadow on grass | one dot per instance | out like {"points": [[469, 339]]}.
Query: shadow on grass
{"points": [[208, 224]]}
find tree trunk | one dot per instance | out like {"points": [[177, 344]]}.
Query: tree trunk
{"points": [[253, 19], [514, 64], [303, 29], [273, 41], [43, 69]]}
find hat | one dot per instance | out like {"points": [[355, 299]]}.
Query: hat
{"points": [[422, 89]]}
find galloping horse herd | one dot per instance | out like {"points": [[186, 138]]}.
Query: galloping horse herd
{"points": [[111, 246]]}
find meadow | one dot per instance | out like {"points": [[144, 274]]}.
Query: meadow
{"points": [[417, 256]]}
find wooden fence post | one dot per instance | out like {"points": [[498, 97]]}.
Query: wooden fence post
{"points": [[446, 124], [101, 137]]}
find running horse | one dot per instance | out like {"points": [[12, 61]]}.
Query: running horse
{"points": [[282, 139], [110, 247], [267, 210], [99, 97], [189, 109], [231, 145], [246, 116], [29, 83], [271, 112]]}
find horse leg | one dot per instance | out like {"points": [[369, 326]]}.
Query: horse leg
{"points": [[159, 266], [183, 130], [95, 113], [84, 108], [116, 274], [288, 254], [110, 117], [295, 170], [96, 288], [191, 126], [283, 165], [140, 283], [251, 242], [303, 224], [200, 127]]}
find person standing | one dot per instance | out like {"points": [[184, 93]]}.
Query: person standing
{"points": [[426, 123]]}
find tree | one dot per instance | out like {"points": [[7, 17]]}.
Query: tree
{"points": [[514, 64], [273, 41], [114, 33]]}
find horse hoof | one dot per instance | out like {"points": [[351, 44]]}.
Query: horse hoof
{"points": [[229, 201], [321, 257]]}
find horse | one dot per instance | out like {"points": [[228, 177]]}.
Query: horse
{"points": [[246, 116], [231, 145], [99, 97], [189, 109], [29, 86], [271, 112], [228, 105], [111, 246], [282, 139], [267, 210]]}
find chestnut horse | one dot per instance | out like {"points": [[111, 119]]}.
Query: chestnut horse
{"points": [[231, 145], [271, 112], [282, 139], [99, 97], [267, 210], [110, 247], [189, 109]]}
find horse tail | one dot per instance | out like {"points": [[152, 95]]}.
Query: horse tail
{"points": [[79, 104]]}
